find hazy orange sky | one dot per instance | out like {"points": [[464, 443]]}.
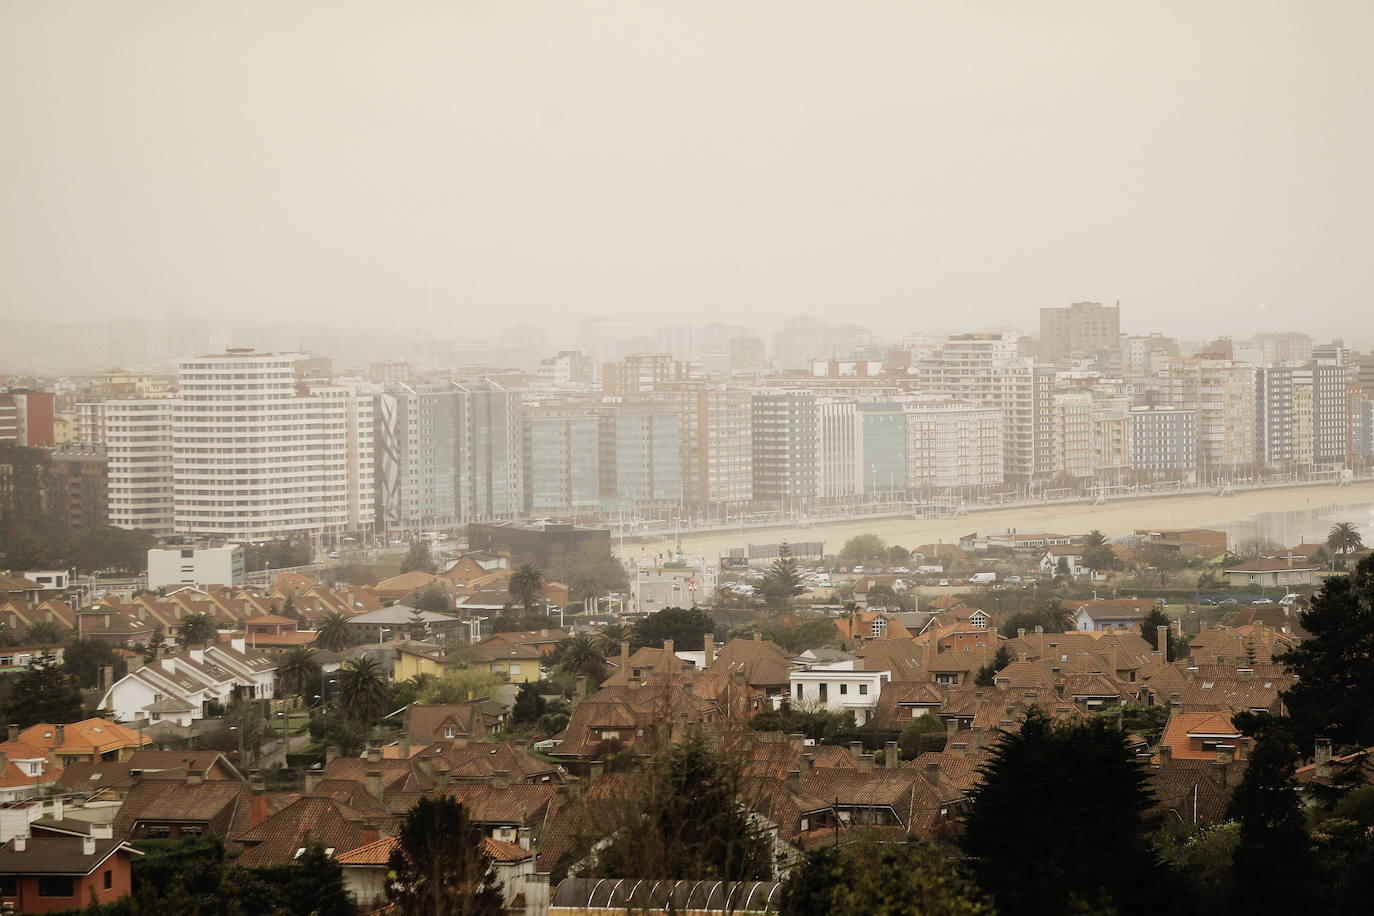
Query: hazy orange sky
{"points": [[906, 165]]}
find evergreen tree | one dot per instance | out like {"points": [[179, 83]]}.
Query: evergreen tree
{"points": [[887, 879], [525, 585], [198, 630], [44, 693], [334, 633], [1273, 862], [1058, 823], [686, 627], [1334, 692], [689, 823], [439, 867], [529, 705], [783, 581], [418, 558]]}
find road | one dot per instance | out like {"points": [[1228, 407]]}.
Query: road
{"points": [[1112, 518]]}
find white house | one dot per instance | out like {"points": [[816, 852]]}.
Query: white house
{"points": [[222, 565], [1049, 561], [838, 688], [180, 687]]}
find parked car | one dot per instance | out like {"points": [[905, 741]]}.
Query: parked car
{"points": [[1263, 601], [1229, 601], [943, 583]]}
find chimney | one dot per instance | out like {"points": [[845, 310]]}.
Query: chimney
{"points": [[403, 745], [624, 655], [932, 771], [522, 837], [102, 831], [107, 677], [331, 753], [667, 647], [865, 763], [797, 740], [443, 774], [1322, 758], [255, 781], [374, 754], [1162, 638], [536, 894], [58, 807], [88, 845], [976, 738], [198, 655], [808, 762], [951, 728], [500, 778], [1040, 639], [890, 752], [195, 777], [59, 734], [595, 769], [856, 748], [14, 732], [581, 689], [1243, 747], [368, 833], [1165, 753], [258, 804], [373, 781], [758, 637], [688, 688], [794, 784], [20, 843], [313, 775], [710, 654]]}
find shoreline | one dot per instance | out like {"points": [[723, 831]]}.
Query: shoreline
{"points": [[1113, 518]]}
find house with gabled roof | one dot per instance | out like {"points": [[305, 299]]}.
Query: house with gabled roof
{"points": [[1284, 572], [170, 806], [47, 874]]}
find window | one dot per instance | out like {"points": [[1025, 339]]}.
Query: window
{"points": [[450, 731], [514, 667], [801, 689], [109, 878], [844, 688], [9, 886], [56, 887], [863, 690]]}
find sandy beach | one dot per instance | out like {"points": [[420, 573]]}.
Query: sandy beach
{"points": [[1113, 518]]}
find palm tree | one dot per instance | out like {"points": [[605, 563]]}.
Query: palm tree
{"points": [[334, 633], [611, 636], [197, 630], [1344, 539], [298, 671], [362, 689], [1058, 615], [526, 584], [578, 650]]}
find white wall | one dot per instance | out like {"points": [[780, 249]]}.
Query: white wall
{"points": [[195, 566]]}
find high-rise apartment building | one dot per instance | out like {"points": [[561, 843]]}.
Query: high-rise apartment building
{"points": [[491, 482], [254, 458], [881, 444], [1079, 329], [1164, 440], [984, 369], [1222, 392], [641, 458], [1289, 349], [138, 446], [26, 418], [1274, 416], [785, 438], [642, 374], [837, 448], [415, 449], [952, 445], [562, 461], [1328, 391], [716, 432]]}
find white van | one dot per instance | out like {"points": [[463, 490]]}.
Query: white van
{"points": [[982, 578]]}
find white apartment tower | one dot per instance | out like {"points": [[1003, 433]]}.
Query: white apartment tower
{"points": [[138, 443], [254, 457]]}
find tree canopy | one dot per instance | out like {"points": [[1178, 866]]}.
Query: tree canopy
{"points": [[525, 585], [418, 558], [686, 627], [689, 823], [880, 879], [1334, 692], [439, 867], [782, 580], [1059, 825], [863, 550]]}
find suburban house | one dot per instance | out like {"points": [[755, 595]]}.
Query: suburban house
{"points": [[838, 690], [87, 741], [46, 874], [1275, 572], [1110, 614], [179, 687], [191, 806], [1072, 559]]}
